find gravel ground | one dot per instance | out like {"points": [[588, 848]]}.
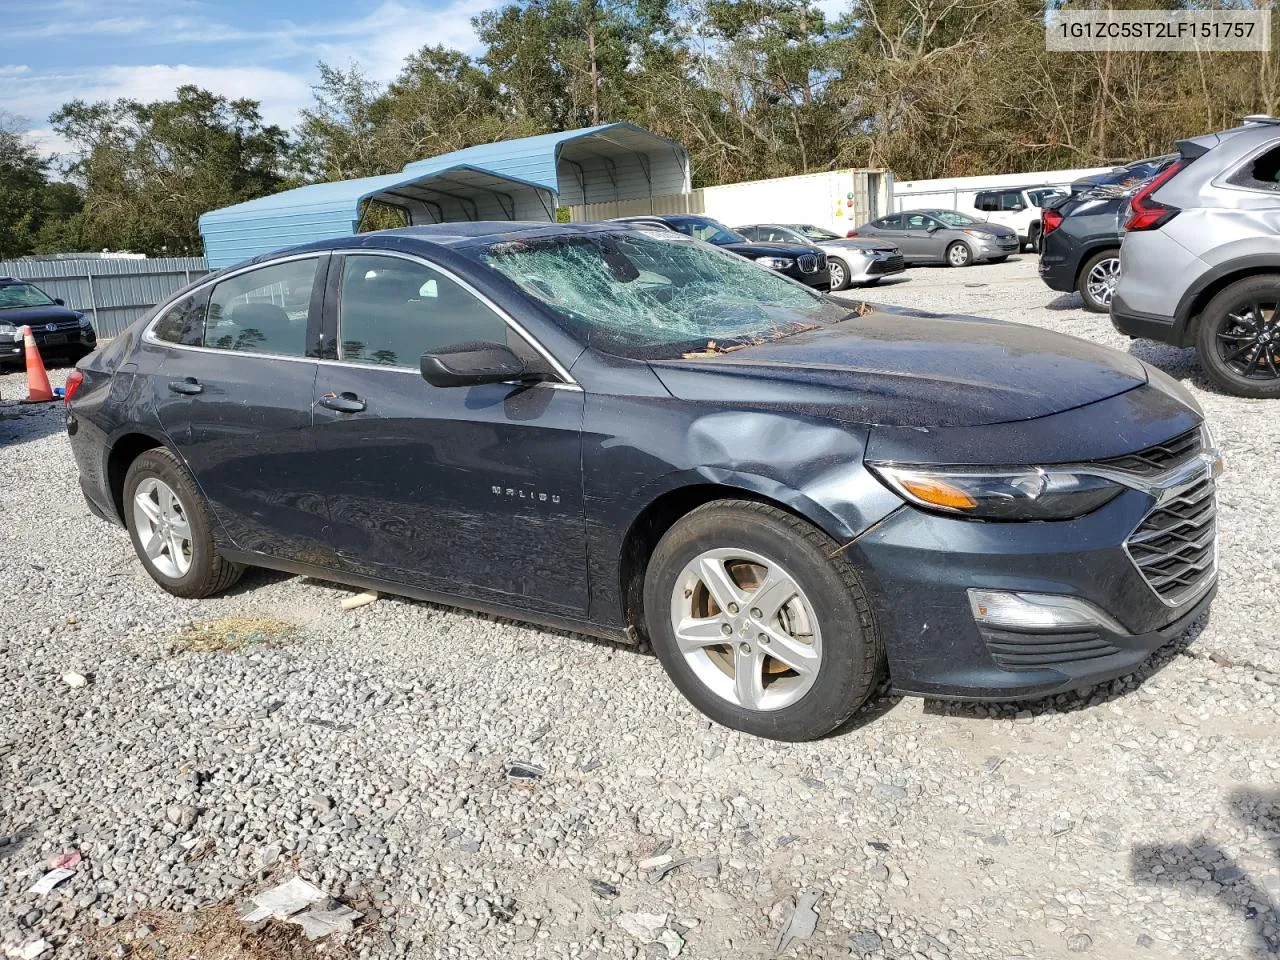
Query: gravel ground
{"points": [[368, 751]]}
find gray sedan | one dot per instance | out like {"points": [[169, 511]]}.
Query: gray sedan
{"points": [[850, 260], [943, 236]]}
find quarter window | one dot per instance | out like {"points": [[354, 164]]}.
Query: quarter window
{"points": [[986, 202], [183, 322], [263, 310], [1262, 173], [392, 311]]}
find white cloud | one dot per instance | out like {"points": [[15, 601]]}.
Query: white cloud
{"points": [[35, 96]]}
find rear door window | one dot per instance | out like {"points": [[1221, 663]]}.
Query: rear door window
{"points": [[1011, 200], [391, 311], [264, 310], [986, 202], [893, 222]]}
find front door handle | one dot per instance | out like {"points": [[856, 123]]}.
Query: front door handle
{"points": [[188, 385], [342, 402]]}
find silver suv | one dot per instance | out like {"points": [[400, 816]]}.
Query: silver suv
{"points": [[1200, 257]]}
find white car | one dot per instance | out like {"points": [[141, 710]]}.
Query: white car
{"points": [[849, 259], [1016, 207]]}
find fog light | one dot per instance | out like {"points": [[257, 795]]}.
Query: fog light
{"points": [[1033, 612]]}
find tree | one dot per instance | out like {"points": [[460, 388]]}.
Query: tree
{"points": [[32, 209], [148, 170]]}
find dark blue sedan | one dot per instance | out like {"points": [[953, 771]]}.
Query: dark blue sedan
{"points": [[633, 434]]}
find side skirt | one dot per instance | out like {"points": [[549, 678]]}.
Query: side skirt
{"points": [[300, 569]]}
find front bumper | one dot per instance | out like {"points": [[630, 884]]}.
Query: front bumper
{"points": [[990, 249], [864, 268], [819, 278], [73, 340], [920, 567]]}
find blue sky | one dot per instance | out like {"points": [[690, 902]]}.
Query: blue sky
{"points": [[57, 50], [52, 51]]}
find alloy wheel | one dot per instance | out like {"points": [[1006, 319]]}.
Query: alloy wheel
{"points": [[1248, 341], [837, 274], [1102, 280], [958, 255], [746, 629], [163, 528]]}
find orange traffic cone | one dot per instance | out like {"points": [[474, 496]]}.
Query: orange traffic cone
{"points": [[38, 390]]}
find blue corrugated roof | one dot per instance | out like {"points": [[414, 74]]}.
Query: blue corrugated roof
{"points": [[511, 179], [534, 158], [322, 210]]}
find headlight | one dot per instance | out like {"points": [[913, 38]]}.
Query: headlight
{"points": [[977, 234], [9, 331], [85, 322], [774, 263], [1030, 493]]}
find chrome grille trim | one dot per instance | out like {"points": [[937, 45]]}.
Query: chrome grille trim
{"points": [[1175, 547], [808, 263]]}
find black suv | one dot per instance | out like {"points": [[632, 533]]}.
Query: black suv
{"points": [[57, 329], [807, 264]]}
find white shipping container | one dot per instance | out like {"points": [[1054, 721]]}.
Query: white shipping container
{"points": [[957, 193], [837, 199]]}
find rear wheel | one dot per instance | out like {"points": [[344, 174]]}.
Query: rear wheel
{"points": [[759, 622], [959, 254], [170, 528], [1239, 338], [1033, 238], [1098, 279], [839, 273]]}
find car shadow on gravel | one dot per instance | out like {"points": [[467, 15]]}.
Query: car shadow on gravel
{"points": [[1178, 362], [1200, 866], [1068, 301], [1085, 699], [22, 423]]}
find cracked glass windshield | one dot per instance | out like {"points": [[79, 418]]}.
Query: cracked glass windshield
{"points": [[657, 296]]}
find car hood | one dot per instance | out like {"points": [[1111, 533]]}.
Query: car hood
{"points": [[34, 316], [993, 229], [906, 368], [752, 249]]}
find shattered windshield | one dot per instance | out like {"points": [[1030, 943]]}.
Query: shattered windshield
{"points": [[23, 295], [953, 219], [815, 233], [649, 296], [709, 230]]}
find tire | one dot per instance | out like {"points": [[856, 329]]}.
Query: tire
{"points": [[838, 664], [998, 259], [1033, 238], [959, 255], [839, 273], [1238, 340], [184, 566], [1097, 279]]}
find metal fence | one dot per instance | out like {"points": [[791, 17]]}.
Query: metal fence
{"points": [[113, 292]]}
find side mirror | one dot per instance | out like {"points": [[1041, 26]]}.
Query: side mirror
{"points": [[470, 364], [931, 228], [59, 301]]}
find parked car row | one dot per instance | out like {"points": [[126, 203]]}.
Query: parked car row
{"points": [[1184, 249]]}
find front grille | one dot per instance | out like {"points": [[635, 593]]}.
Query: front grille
{"points": [[890, 264], [808, 263], [63, 326], [1022, 651], [1160, 457], [1174, 547]]}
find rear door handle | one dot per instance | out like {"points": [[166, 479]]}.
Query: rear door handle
{"points": [[342, 402], [188, 385]]}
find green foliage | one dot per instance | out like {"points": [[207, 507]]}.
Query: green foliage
{"points": [[148, 170], [32, 210]]}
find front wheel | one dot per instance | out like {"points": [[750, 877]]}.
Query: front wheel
{"points": [[1098, 279], [839, 273], [959, 254], [760, 622], [1239, 338], [171, 529]]}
